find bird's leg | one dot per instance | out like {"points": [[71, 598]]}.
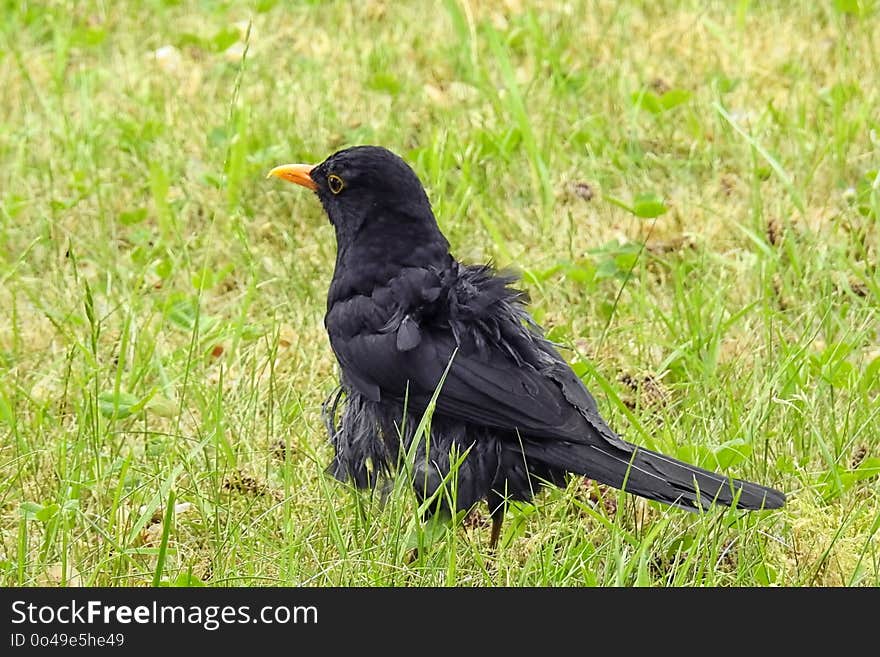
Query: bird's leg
{"points": [[497, 521], [497, 507]]}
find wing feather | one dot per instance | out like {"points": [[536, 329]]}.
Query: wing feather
{"points": [[483, 387]]}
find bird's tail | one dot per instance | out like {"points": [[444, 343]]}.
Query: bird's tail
{"points": [[658, 477]]}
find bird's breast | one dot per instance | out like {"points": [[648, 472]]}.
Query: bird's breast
{"points": [[371, 306], [359, 314]]}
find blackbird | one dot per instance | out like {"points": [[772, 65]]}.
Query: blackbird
{"points": [[406, 319]]}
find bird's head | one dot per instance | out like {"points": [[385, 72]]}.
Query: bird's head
{"points": [[362, 184]]}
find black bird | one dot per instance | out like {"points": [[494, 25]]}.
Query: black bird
{"points": [[402, 312]]}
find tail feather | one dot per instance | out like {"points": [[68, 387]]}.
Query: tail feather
{"points": [[656, 476]]}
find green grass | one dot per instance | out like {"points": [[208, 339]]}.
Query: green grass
{"points": [[689, 188]]}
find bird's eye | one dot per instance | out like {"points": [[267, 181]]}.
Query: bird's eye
{"points": [[335, 183]]}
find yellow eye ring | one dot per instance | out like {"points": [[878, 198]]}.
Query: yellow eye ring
{"points": [[335, 183]]}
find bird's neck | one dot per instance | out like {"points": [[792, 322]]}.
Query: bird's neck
{"points": [[383, 246]]}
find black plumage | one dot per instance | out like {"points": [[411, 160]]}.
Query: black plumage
{"points": [[402, 312]]}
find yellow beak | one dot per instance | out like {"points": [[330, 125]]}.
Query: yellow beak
{"points": [[295, 173]]}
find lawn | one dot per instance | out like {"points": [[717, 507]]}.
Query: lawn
{"points": [[690, 191]]}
